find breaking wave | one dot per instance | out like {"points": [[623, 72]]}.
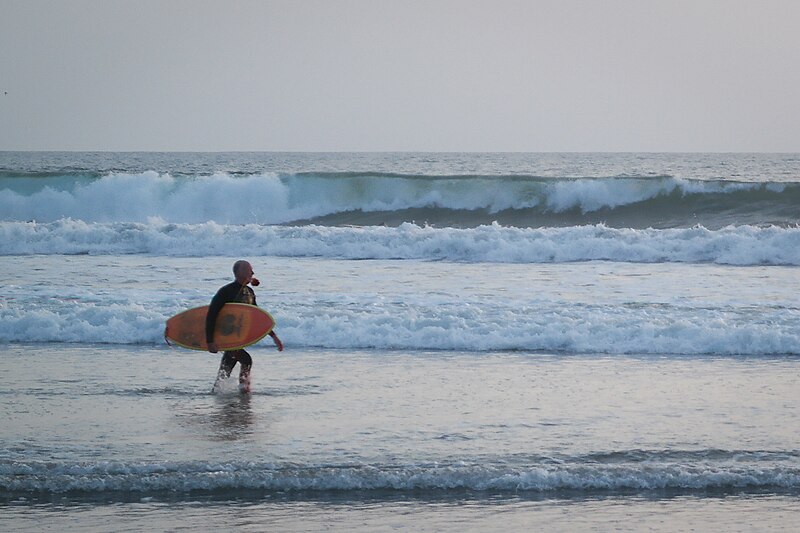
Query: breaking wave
{"points": [[390, 199], [732, 245]]}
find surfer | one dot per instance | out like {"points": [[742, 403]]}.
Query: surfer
{"points": [[236, 291]]}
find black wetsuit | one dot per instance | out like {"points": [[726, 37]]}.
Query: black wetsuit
{"points": [[232, 292]]}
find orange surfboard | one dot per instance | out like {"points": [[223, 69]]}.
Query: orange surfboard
{"points": [[238, 325]]}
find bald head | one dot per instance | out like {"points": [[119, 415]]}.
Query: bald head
{"points": [[242, 271]]}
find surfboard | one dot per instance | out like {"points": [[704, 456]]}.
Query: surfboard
{"points": [[238, 325]]}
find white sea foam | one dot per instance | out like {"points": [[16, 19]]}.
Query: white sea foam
{"points": [[740, 245], [438, 323]]}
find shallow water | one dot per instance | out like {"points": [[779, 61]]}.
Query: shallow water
{"points": [[732, 513], [363, 440]]}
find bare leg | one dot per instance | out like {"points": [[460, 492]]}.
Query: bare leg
{"points": [[225, 368], [245, 364]]}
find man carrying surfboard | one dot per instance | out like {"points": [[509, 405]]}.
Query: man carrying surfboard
{"points": [[234, 292]]}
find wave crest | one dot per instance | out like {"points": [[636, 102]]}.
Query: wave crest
{"points": [[460, 201]]}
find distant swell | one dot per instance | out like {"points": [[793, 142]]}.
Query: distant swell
{"points": [[734, 472], [391, 199]]}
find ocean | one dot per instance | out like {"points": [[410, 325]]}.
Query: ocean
{"points": [[474, 342]]}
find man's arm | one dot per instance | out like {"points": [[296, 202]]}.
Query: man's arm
{"points": [[211, 318], [276, 340]]}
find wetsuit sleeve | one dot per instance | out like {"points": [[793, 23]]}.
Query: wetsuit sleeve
{"points": [[214, 308]]}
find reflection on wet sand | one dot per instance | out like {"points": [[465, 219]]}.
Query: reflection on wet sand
{"points": [[233, 417], [225, 417]]}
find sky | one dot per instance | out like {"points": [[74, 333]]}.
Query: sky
{"points": [[406, 75]]}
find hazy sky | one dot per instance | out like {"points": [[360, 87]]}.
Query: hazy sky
{"points": [[449, 75]]}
